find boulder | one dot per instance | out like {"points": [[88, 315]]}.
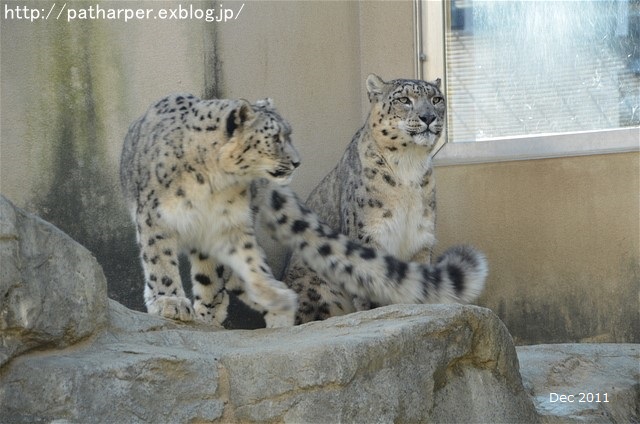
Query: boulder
{"points": [[52, 290], [401, 363], [395, 364], [583, 383]]}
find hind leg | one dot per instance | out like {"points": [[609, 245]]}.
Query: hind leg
{"points": [[317, 300]]}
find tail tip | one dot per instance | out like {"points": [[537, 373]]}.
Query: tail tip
{"points": [[466, 269]]}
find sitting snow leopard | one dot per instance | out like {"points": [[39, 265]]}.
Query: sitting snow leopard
{"points": [[196, 173], [382, 193]]}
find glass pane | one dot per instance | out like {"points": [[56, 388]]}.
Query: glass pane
{"points": [[519, 68]]}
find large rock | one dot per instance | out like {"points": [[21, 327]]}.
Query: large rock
{"points": [[394, 364], [583, 383], [402, 363], [52, 290]]}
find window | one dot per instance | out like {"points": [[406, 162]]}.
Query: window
{"points": [[549, 76]]}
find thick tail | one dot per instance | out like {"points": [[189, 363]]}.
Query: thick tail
{"points": [[457, 277], [462, 271]]}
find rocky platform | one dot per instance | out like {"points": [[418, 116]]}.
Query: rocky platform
{"points": [[68, 354]]}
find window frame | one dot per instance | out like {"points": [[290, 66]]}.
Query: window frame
{"points": [[430, 64]]}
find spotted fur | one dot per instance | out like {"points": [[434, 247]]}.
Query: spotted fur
{"points": [[186, 168], [196, 174], [382, 194]]}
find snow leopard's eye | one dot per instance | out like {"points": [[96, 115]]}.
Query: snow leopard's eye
{"points": [[436, 99], [404, 100]]}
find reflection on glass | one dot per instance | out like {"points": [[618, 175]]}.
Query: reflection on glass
{"points": [[519, 68]]}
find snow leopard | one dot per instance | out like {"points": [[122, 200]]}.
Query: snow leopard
{"points": [[198, 174], [382, 194]]}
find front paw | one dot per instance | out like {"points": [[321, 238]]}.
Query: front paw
{"points": [[282, 311], [280, 319], [212, 314], [173, 307]]}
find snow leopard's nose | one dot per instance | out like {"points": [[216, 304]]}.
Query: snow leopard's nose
{"points": [[295, 164], [428, 119]]}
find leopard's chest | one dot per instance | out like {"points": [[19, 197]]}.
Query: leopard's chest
{"points": [[397, 206], [405, 224], [204, 218]]}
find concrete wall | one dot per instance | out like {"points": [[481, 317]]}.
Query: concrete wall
{"points": [[304, 55], [561, 235], [312, 58]]}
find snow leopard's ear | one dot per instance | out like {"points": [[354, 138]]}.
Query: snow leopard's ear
{"points": [[437, 82], [265, 104], [375, 87], [239, 116]]}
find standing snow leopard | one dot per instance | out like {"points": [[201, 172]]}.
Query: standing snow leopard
{"points": [[197, 173], [185, 170], [382, 193]]}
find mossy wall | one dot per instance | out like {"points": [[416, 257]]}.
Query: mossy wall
{"points": [[81, 195], [69, 92]]}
